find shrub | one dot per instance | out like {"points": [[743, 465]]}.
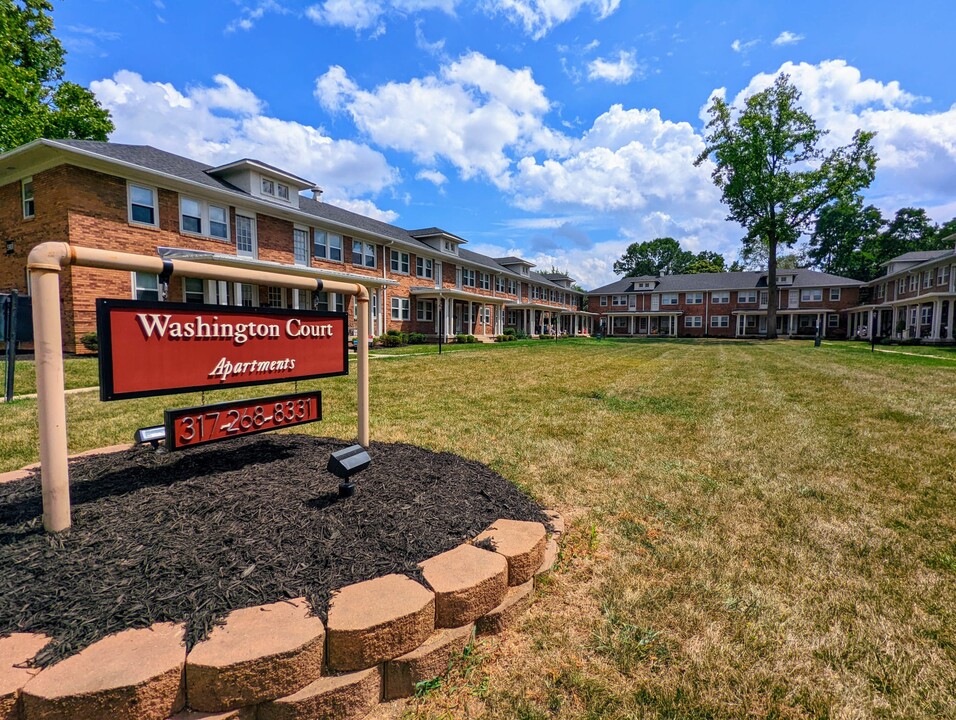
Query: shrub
{"points": [[470, 339], [416, 338], [393, 338], [90, 342], [887, 341], [505, 338], [461, 338], [911, 341], [510, 331]]}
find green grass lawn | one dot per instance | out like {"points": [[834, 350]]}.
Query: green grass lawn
{"points": [[755, 529]]}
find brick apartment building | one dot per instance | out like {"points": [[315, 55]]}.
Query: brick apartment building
{"points": [[728, 305], [248, 214], [142, 200]]}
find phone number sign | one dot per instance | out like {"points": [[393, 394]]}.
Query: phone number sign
{"points": [[189, 427]]}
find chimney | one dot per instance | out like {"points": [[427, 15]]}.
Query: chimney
{"points": [[316, 193]]}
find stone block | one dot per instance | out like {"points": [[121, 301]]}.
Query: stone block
{"points": [[261, 653], [132, 675], [550, 557], [426, 662], [248, 713], [521, 542], [511, 608], [378, 620], [337, 697], [468, 583], [15, 651]]}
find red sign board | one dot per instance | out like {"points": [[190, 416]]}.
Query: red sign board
{"points": [[152, 348], [189, 427]]}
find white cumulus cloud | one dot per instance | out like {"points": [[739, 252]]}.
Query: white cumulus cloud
{"points": [[539, 17], [225, 122], [474, 113], [619, 70], [367, 14], [787, 38]]}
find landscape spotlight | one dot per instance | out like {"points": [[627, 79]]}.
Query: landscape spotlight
{"points": [[151, 435], [348, 462]]}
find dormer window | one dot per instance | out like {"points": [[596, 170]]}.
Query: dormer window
{"points": [[275, 189]]}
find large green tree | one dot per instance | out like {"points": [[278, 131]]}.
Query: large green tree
{"points": [[774, 176], [660, 256], [35, 100], [706, 261], [844, 239]]}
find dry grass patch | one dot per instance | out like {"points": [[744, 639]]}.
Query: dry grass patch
{"points": [[757, 529]]}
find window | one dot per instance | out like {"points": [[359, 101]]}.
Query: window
{"points": [[300, 246], [245, 236], [484, 281], [881, 290], [807, 321], [194, 215], [276, 297], [719, 321], [218, 224], [399, 261], [268, 187], [400, 308], [190, 212], [901, 286], [694, 298], [26, 189], [928, 279], [833, 320], [145, 286], [193, 290], [425, 310], [926, 314], [499, 284], [512, 287], [942, 275], [328, 246], [835, 294], [467, 277], [248, 297], [142, 205], [604, 301], [693, 321], [811, 295], [363, 254], [282, 191], [618, 300], [723, 297], [669, 299], [914, 280], [328, 301], [485, 314], [764, 297], [424, 267]]}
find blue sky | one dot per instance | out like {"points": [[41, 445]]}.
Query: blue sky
{"points": [[560, 130]]}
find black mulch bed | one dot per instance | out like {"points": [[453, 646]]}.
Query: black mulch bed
{"points": [[189, 536]]}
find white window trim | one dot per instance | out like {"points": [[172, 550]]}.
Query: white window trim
{"points": [[693, 321], [424, 267], [720, 321], [24, 199], [400, 309], [308, 248], [316, 233], [670, 298], [835, 294], [398, 259], [694, 298], [133, 279], [129, 205], [721, 297], [425, 311], [807, 295], [368, 251], [255, 233], [202, 282], [205, 223]]}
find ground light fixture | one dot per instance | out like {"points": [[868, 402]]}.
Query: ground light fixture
{"points": [[348, 462], [152, 435]]}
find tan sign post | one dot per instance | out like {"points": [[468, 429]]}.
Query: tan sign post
{"points": [[45, 263]]}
